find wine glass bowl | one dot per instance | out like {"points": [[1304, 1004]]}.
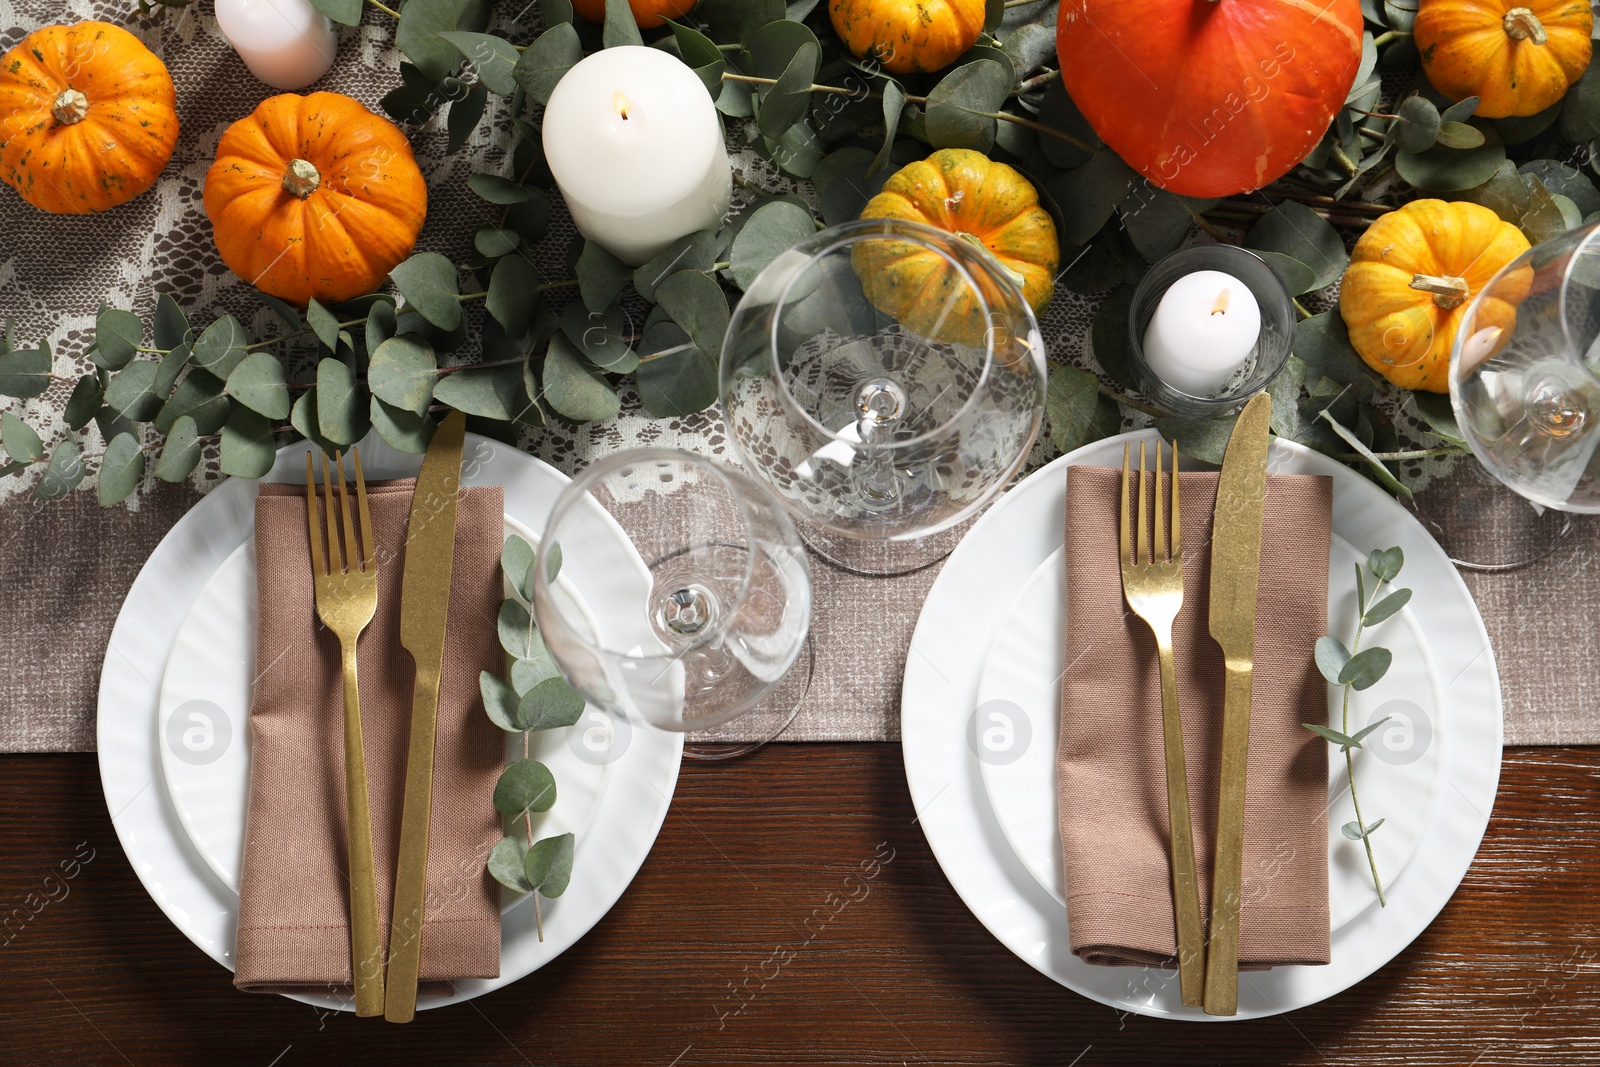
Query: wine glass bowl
{"points": [[1523, 373], [707, 579], [885, 379]]}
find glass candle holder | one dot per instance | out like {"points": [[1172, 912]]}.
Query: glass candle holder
{"points": [[1264, 359]]}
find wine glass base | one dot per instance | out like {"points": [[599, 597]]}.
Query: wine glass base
{"points": [[1484, 526], [881, 558], [766, 720]]}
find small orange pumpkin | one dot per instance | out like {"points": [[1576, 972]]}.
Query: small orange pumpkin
{"points": [[314, 197], [87, 118], [1517, 57], [1410, 278], [908, 36], [647, 13], [968, 194]]}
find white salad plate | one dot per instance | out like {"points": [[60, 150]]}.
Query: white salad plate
{"points": [[175, 785], [989, 644]]}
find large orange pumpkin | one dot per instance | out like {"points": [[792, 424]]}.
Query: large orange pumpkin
{"points": [[87, 118], [908, 36], [1517, 57], [1209, 97], [647, 13], [1410, 278], [314, 196], [966, 193]]}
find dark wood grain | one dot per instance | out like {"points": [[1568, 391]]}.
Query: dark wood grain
{"points": [[709, 958]]}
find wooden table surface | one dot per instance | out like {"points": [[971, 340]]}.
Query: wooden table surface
{"points": [[708, 957]]}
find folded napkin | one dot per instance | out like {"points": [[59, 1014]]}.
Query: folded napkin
{"points": [[293, 895], [1110, 766]]}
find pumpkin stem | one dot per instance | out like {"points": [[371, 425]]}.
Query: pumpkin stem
{"points": [[70, 107], [1448, 290], [301, 179], [1521, 24]]}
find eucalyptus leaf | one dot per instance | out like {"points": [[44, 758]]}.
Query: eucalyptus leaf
{"points": [[1419, 125], [619, 28], [601, 336], [573, 388], [1461, 110], [601, 276], [1544, 220], [248, 450], [695, 251], [1459, 135], [960, 107], [258, 383], [675, 377], [85, 400], [1386, 563], [701, 54], [430, 285], [496, 189], [199, 396], [402, 372], [180, 455], [1449, 170], [1202, 439], [1505, 193], [1297, 277], [1323, 343], [1058, 112], [499, 701], [63, 473], [1365, 731], [341, 404], [797, 152], [1331, 656], [696, 303], [419, 36], [402, 430], [1294, 230], [511, 295], [1381, 473], [786, 102], [548, 865], [1032, 44], [1078, 413], [1157, 221], [894, 103], [506, 862], [1564, 179], [1386, 607], [485, 392], [131, 392], [1580, 108], [555, 51], [524, 786], [25, 372], [516, 564], [550, 704], [494, 58], [1109, 339], [117, 334], [552, 562], [492, 242], [771, 230], [772, 46], [21, 441], [516, 631], [1338, 737], [344, 12], [171, 327], [221, 347], [1354, 831], [527, 673], [1088, 195], [465, 114], [844, 198], [1366, 668], [171, 366], [1436, 411], [323, 323], [121, 468]]}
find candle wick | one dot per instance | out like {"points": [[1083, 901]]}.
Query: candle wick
{"points": [[1220, 305]]}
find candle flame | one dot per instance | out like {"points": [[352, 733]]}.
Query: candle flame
{"points": [[620, 102], [1220, 305]]}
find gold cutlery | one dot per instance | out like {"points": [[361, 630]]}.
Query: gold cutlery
{"points": [[1153, 586], [424, 607], [347, 597], [1235, 576]]}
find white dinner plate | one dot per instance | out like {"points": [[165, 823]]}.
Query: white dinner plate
{"points": [[642, 762], [205, 701], [994, 578]]}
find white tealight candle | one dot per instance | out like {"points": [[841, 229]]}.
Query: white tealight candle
{"points": [[285, 43], [635, 144], [1203, 330]]}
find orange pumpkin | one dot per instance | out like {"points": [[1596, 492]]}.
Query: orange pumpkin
{"points": [[968, 194], [87, 118], [1517, 57], [314, 197], [908, 36], [1410, 278], [1209, 97], [647, 13]]}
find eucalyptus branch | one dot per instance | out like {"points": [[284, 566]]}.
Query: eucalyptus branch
{"points": [[387, 10], [1350, 756]]}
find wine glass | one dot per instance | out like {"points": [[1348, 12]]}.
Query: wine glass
{"points": [[885, 379], [1524, 384], [698, 595]]}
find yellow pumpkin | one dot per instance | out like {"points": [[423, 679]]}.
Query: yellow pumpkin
{"points": [[87, 118], [1410, 278], [968, 194], [314, 196], [907, 36], [1517, 56]]}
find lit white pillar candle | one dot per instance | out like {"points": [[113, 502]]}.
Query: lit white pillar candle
{"points": [[635, 144], [285, 43], [1203, 330]]}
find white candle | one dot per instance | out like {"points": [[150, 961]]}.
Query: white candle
{"points": [[635, 144], [1203, 330], [285, 43]]}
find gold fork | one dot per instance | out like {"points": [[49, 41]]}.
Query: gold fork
{"points": [[1153, 586], [347, 598]]}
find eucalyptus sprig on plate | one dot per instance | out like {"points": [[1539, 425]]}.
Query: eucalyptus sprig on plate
{"points": [[536, 697], [1357, 668]]}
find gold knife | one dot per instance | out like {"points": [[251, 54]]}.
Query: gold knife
{"points": [[424, 606], [1235, 575]]}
